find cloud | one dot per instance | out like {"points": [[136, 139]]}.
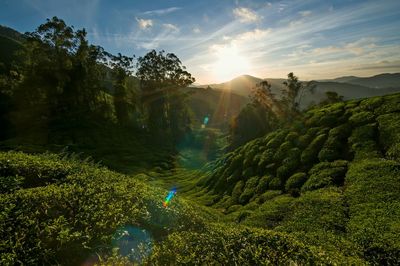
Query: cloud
{"points": [[171, 27], [245, 14], [252, 35], [162, 11], [305, 13], [196, 30], [144, 23], [393, 65]]}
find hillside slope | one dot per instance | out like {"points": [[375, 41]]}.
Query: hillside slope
{"points": [[57, 210], [331, 179]]}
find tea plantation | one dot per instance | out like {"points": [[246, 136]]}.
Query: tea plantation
{"points": [[331, 179], [324, 191]]}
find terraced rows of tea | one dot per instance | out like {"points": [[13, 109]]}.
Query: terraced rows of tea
{"points": [[324, 190]]}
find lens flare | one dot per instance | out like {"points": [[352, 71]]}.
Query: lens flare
{"points": [[133, 243], [169, 197]]}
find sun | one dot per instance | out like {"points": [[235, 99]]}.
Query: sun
{"points": [[230, 63]]}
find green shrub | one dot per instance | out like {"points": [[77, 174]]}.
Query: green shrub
{"points": [[293, 138], [309, 155], [277, 140], [275, 184], [306, 139], [268, 195], [237, 191], [389, 131], [233, 208], [249, 190], [296, 181], [289, 164], [363, 144], [372, 103], [236, 175], [65, 223], [236, 163], [335, 146], [263, 184], [248, 172], [325, 174], [9, 184], [37, 170], [222, 245], [328, 120], [272, 212], [362, 118], [321, 211], [373, 195], [282, 151], [391, 104]]}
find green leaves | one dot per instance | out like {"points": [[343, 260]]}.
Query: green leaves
{"points": [[66, 221]]}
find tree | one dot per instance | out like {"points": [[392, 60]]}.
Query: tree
{"points": [[263, 96], [162, 77], [292, 95], [257, 118], [62, 78], [332, 97], [122, 68]]}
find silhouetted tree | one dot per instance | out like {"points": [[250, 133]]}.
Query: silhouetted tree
{"points": [[122, 68], [162, 77], [332, 97], [257, 118], [292, 95]]}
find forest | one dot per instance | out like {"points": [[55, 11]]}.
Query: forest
{"points": [[112, 159]]}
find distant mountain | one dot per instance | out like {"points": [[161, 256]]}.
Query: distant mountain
{"points": [[342, 79], [350, 87], [348, 91], [241, 85], [385, 80]]}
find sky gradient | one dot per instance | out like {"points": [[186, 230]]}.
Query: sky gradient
{"points": [[218, 40]]}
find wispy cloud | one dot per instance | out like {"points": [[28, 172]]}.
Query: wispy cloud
{"points": [[245, 14], [161, 11], [305, 13], [196, 30], [171, 27], [144, 23]]}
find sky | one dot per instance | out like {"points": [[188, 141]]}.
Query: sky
{"points": [[218, 40]]}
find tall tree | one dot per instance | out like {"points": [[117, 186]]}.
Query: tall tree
{"points": [[257, 118], [292, 95], [62, 77], [162, 78], [122, 69]]}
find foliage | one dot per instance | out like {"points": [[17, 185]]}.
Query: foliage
{"points": [[325, 174], [162, 77], [249, 190], [372, 193], [231, 246], [295, 182], [66, 222]]}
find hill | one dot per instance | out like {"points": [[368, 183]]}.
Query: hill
{"points": [[347, 90], [349, 87], [384, 80], [322, 191], [328, 179], [56, 209]]}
